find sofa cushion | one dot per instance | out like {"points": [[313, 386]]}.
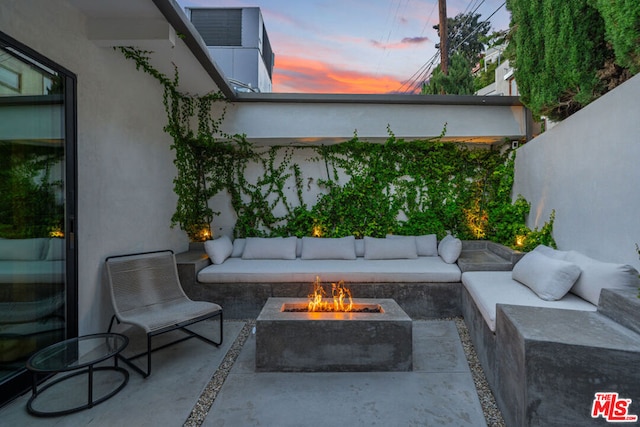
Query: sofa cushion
{"points": [[238, 247], [549, 278], [41, 271], [450, 249], [401, 248], [489, 288], [359, 247], [219, 249], [56, 250], [23, 249], [597, 275], [426, 245], [444, 240], [360, 270], [270, 248], [328, 248], [298, 247], [550, 252]]}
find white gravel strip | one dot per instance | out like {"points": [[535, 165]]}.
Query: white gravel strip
{"points": [[492, 414], [202, 406]]}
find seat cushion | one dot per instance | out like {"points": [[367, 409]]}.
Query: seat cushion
{"points": [[360, 270], [489, 288]]}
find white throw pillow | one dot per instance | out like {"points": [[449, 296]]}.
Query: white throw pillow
{"points": [[443, 243], [219, 249], [375, 248], [550, 252], [328, 248], [450, 249], [597, 275], [549, 278], [270, 248], [238, 247], [56, 249], [427, 245]]}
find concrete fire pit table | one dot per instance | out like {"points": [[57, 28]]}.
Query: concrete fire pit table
{"points": [[293, 341]]}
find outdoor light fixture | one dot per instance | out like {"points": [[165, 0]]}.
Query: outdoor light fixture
{"points": [[56, 232]]}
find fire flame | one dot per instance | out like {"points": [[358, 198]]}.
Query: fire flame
{"points": [[340, 298]]}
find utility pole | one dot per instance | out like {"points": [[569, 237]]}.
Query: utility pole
{"points": [[444, 53]]}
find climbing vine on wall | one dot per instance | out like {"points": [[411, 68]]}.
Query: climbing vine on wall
{"points": [[400, 187]]}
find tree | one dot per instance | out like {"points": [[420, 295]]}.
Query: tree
{"points": [[459, 81], [560, 55], [622, 30], [465, 36]]}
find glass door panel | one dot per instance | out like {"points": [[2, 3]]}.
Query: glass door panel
{"points": [[34, 209]]}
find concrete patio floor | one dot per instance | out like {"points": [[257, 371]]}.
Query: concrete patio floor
{"points": [[440, 390]]}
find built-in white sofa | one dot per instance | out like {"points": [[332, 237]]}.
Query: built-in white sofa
{"points": [[549, 335], [419, 272]]}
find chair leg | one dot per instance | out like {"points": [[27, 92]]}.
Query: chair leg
{"points": [[148, 355], [111, 323], [221, 331], [193, 334], [128, 360], [190, 334]]}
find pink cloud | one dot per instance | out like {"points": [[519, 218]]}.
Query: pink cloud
{"points": [[293, 74]]}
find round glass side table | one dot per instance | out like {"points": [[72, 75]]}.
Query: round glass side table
{"points": [[78, 356]]}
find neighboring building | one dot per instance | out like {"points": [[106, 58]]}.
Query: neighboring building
{"points": [[20, 78], [237, 40], [504, 83]]}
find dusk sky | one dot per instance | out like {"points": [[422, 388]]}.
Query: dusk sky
{"points": [[354, 46]]}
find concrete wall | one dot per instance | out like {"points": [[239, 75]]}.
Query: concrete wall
{"points": [[586, 168], [125, 166]]}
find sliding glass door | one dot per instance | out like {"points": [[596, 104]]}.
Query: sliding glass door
{"points": [[38, 302]]}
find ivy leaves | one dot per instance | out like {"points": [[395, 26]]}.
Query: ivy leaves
{"points": [[400, 187]]}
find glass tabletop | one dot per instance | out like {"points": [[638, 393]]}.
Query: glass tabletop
{"points": [[76, 353]]}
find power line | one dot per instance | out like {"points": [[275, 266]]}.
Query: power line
{"points": [[478, 27], [416, 79]]}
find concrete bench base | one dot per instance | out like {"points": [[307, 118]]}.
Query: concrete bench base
{"points": [[418, 300], [551, 363]]}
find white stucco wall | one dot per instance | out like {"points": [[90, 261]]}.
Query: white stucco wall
{"points": [[125, 165], [586, 168]]}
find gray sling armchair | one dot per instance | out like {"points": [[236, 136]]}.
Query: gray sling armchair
{"points": [[146, 292]]}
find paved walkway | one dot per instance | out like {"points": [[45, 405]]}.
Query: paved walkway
{"points": [[438, 392]]}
